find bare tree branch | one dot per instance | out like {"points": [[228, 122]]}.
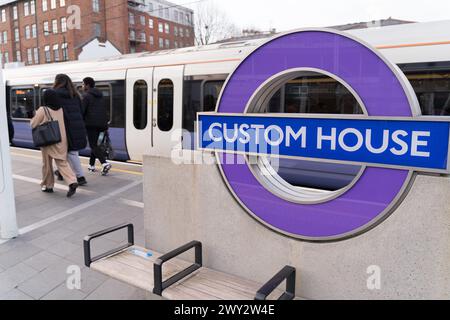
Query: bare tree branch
{"points": [[212, 25]]}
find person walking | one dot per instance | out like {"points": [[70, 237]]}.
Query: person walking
{"points": [[56, 152], [96, 121], [10, 126], [66, 96]]}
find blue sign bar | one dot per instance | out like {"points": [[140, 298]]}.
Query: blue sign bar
{"points": [[419, 144]]}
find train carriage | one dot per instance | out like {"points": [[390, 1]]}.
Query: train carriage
{"points": [[153, 98]]}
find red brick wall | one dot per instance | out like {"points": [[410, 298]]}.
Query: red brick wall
{"points": [[113, 19]]}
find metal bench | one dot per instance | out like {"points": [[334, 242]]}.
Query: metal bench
{"points": [[169, 276]]}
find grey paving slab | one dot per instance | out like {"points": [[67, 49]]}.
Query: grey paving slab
{"points": [[15, 294], [16, 255], [47, 280], [115, 290], [17, 274], [43, 260], [64, 249], [63, 293]]}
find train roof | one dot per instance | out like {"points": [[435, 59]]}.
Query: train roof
{"points": [[409, 43]]}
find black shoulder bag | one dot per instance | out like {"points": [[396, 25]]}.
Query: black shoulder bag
{"points": [[47, 133]]}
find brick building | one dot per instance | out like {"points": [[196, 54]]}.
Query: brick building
{"points": [[42, 31]]}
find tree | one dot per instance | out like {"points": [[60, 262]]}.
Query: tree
{"points": [[212, 24]]}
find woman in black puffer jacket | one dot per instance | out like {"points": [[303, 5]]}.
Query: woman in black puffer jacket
{"points": [[65, 94]]}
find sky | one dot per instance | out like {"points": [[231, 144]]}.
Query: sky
{"points": [[291, 14]]}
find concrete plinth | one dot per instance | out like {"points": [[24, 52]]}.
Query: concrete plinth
{"points": [[411, 248]]}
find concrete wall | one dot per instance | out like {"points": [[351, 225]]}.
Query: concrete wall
{"points": [[412, 247]]}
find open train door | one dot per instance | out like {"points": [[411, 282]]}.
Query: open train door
{"points": [[139, 112], [167, 109]]}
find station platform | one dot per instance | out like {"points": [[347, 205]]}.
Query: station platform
{"points": [[38, 264]]}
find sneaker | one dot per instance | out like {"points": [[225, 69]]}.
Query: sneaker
{"points": [[72, 190], [106, 168], [59, 176], [47, 190], [81, 181], [92, 169]]}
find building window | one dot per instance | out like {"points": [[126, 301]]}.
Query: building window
{"points": [[18, 56], [33, 7], [150, 23], [161, 43], [56, 52], [181, 32], [152, 40], [3, 15], [27, 32], [30, 56], [46, 28], [96, 5], [187, 33], [175, 16], [44, 5], [176, 44], [175, 31], [65, 51], [26, 9], [55, 26], [131, 18], [5, 37], [36, 55], [167, 43], [15, 13], [132, 35], [6, 57], [160, 27], [63, 24], [140, 104], [166, 13], [48, 55], [62, 3], [165, 105], [34, 30], [142, 18], [143, 37], [167, 28], [97, 30], [52, 4], [16, 35], [150, 7]]}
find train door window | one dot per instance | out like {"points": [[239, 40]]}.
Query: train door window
{"points": [[140, 105], [165, 105], [22, 103], [433, 91], [211, 92]]}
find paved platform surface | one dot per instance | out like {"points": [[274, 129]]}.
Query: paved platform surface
{"points": [[39, 263]]}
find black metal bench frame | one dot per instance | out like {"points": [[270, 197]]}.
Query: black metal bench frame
{"points": [[287, 274]]}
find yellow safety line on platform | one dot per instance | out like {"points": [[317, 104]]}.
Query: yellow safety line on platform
{"points": [[113, 169]]}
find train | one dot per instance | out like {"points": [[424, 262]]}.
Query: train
{"points": [[153, 97]]}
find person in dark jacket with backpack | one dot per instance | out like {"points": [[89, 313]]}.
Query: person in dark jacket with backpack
{"points": [[96, 120], [66, 96], [10, 126]]}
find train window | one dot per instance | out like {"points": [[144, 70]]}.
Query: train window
{"points": [[199, 96], [433, 91], [211, 92], [191, 103], [22, 103], [165, 105], [140, 105], [307, 92]]}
